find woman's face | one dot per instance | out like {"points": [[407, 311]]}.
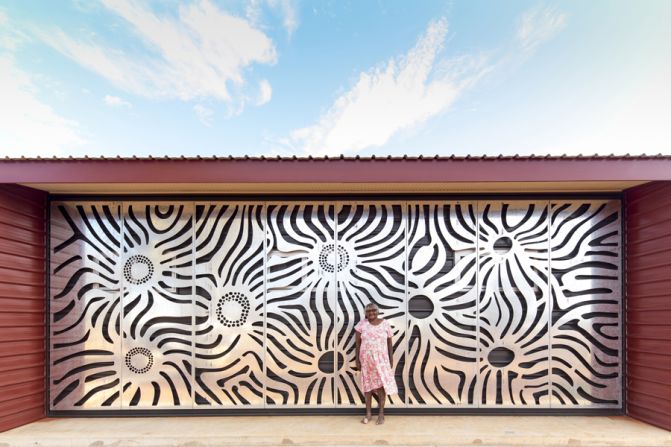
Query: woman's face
{"points": [[371, 314]]}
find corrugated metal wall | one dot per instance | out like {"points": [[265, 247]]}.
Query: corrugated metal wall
{"points": [[648, 214], [22, 305]]}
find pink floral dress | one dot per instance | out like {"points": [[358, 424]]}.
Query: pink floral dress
{"points": [[374, 357]]}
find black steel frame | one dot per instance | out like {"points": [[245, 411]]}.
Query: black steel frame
{"points": [[333, 411]]}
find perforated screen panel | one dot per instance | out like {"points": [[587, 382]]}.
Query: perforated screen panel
{"points": [[220, 305]]}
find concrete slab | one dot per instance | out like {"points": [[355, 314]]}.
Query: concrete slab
{"points": [[337, 431]]}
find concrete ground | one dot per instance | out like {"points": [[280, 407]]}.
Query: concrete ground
{"points": [[338, 431]]}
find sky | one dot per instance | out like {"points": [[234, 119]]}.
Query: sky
{"points": [[364, 77]]}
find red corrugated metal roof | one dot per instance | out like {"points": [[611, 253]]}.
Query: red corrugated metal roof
{"points": [[351, 157], [340, 169]]}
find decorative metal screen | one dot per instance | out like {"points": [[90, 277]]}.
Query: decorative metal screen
{"points": [[221, 305]]}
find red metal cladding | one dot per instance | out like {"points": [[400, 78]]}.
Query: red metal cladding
{"points": [[22, 305], [648, 223]]}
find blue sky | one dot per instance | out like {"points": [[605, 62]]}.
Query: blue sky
{"points": [[207, 77]]}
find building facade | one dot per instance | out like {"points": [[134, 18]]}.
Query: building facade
{"points": [[230, 285]]}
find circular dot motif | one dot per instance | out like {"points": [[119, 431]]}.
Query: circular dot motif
{"points": [[332, 259], [230, 302], [138, 270], [132, 364]]}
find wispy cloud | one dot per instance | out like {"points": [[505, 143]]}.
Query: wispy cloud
{"points": [[203, 52], [115, 101], [10, 36], [204, 114], [400, 94], [28, 126], [265, 92], [287, 9], [538, 25]]}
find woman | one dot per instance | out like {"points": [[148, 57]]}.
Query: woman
{"points": [[373, 359]]}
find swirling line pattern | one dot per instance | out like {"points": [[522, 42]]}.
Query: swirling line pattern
{"points": [[229, 306], [586, 286], [513, 354], [300, 305], [442, 301], [252, 305], [157, 304], [373, 235], [85, 306]]}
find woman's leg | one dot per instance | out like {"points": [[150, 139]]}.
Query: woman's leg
{"points": [[382, 397], [369, 405]]}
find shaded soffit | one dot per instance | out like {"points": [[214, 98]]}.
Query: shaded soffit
{"points": [[331, 188]]}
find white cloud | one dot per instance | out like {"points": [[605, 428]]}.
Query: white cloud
{"points": [[266, 92], [538, 25], [27, 125], [287, 9], [115, 101], [401, 94], [253, 11], [204, 114], [201, 53], [10, 36]]}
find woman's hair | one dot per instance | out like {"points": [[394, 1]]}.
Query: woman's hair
{"points": [[371, 306]]}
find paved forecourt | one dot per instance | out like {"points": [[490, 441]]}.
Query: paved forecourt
{"points": [[337, 430]]}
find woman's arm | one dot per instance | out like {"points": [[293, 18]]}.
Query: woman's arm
{"points": [[390, 348], [358, 345]]}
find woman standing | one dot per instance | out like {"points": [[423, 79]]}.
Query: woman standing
{"points": [[373, 359]]}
